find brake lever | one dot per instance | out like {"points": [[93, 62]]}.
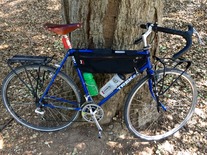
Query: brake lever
{"points": [[198, 36]]}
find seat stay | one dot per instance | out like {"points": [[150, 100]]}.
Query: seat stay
{"points": [[62, 29]]}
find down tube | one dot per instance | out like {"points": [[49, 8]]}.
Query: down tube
{"points": [[148, 66], [118, 89]]}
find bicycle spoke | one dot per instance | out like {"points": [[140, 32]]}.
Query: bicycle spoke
{"points": [[23, 102], [141, 114]]}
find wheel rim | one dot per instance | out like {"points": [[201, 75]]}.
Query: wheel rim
{"points": [[21, 103], [144, 120]]}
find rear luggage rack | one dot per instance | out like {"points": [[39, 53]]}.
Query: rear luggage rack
{"points": [[23, 59]]}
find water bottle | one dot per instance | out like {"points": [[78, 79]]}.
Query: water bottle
{"points": [[90, 84], [108, 88]]}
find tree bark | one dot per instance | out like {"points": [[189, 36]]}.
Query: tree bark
{"points": [[110, 24]]}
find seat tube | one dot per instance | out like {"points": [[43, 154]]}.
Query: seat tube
{"points": [[87, 95], [68, 46], [54, 76]]}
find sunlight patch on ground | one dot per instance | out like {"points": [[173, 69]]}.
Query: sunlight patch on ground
{"points": [[200, 113], [3, 46], [1, 143], [53, 7], [13, 3], [113, 144], [81, 146]]}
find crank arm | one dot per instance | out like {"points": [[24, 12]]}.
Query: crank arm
{"points": [[98, 126]]}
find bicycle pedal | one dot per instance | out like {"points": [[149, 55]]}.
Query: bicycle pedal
{"points": [[39, 111], [100, 134]]}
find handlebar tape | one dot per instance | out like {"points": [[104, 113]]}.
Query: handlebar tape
{"points": [[187, 35]]}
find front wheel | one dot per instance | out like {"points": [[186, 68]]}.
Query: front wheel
{"points": [[141, 114], [22, 89]]}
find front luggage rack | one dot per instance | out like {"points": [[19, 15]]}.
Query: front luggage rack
{"points": [[171, 63], [181, 64]]}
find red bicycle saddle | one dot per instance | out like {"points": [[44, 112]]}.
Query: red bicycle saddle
{"points": [[62, 29]]}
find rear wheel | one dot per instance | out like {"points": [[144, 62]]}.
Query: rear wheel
{"points": [[22, 89], [141, 115]]}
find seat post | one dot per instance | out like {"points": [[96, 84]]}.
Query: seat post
{"points": [[66, 42]]}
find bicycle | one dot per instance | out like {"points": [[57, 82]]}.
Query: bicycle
{"points": [[44, 98]]}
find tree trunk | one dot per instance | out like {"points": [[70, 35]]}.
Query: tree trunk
{"points": [[110, 24]]}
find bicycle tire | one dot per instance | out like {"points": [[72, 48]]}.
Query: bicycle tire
{"points": [[144, 120], [20, 101]]}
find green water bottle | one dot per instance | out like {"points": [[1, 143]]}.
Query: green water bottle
{"points": [[91, 84]]}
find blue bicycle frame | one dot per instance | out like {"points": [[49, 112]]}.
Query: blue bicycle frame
{"points": [[147, 67]]}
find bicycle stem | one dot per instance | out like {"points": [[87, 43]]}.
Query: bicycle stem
{"points": [[145, 35]]}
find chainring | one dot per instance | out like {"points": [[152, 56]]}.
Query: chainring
{"points": [[92, 109]]}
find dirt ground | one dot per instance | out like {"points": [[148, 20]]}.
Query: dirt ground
{"points": [[21, 31]]}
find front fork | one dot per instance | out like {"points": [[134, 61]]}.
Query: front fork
{"points": [[154, 92]]}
